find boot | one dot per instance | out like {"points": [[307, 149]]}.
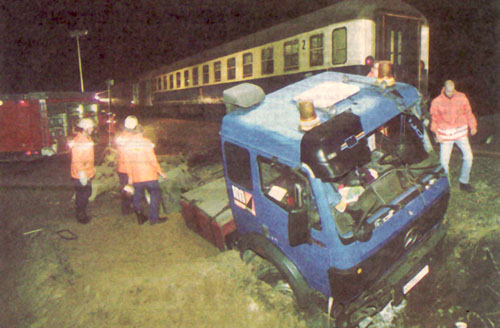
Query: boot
{"points": [[127, 209], [141, 218], [467, 187], [159, 221], [82, 217]]}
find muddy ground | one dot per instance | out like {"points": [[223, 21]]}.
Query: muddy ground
{"points": [[114, 273]]}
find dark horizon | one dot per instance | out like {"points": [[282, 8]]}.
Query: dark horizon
{"points": [[128, 38]]}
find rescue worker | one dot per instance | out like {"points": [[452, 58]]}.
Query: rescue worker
{"points": [[82, 167], [374, 70], [385, 76], [121, 141], [142, 168], [452, 119]]}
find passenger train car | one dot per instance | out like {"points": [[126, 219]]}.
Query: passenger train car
{"points": [[342, 37]]}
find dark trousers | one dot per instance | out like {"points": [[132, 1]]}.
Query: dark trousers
{"points": [[126, 200], [82, 195], [153, 188]]}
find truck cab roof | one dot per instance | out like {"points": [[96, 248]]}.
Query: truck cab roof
{"points": [[273, 124]]}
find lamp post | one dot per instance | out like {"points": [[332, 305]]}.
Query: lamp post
{"points": [[110, 121], [77, 34], [109, 83]]}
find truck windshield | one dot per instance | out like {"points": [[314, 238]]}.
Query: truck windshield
{"points": [[397, 158]]}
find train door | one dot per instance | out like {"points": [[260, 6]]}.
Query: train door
{"points": [[399, 42], [145, 92]]}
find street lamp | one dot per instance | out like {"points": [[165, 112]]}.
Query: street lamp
{"points": [[109, 83], [77, 34], [110, 121]]}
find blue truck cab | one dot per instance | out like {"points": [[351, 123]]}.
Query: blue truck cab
{"points": [[346, 199]]}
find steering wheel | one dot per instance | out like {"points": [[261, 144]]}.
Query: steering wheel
{"points": [[384, 159], [390, 157]]}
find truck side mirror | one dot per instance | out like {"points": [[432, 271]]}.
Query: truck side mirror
{"points": [[299, 226]]}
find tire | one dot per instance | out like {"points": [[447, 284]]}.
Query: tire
{"points": [[273, 265], [232, 240], [267, 272]]}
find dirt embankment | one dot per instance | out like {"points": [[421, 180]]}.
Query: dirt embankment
{"points": [[114, 273]]}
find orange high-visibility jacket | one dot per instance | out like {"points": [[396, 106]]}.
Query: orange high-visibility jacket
{"points": [[140, 160], [449, 114], [121, 142], [82, 155]]}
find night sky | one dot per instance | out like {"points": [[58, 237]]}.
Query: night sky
{"points": [[129, 37]]}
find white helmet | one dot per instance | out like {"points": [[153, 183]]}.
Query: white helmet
{"points": [[86, 123], [131, 122]]}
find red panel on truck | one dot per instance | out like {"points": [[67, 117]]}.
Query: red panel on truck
{"points": [[21, 126], [206, 211]]}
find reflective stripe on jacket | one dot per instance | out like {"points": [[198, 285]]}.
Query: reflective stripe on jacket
{"points": [[451, 113], [452, 134], [82, 156], [140, 160]]}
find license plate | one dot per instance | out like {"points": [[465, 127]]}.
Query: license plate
{"points": [[416, 279]]}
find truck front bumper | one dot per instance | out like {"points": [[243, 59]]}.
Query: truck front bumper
{"points": [[395, 283]]}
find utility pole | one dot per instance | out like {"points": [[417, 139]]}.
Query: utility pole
{"points": [[77, 34], [110, 121], [109, 83]]}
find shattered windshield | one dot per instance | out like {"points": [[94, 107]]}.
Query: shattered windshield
{"points": [[394, 150]]}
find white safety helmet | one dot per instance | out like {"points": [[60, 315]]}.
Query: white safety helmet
{"points": [[131, 122], [86, 123]]}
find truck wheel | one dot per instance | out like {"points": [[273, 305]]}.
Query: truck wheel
{"points": [[267, 272], [272, 266], [232, 240]]}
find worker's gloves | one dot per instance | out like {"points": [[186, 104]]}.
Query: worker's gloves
{"points": [[83, 178], [128, 190]]}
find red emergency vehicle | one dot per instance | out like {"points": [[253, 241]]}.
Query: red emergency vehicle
{"points": [[39, 124]]}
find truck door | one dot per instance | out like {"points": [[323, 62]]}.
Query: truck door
{"points": [[287, 197], [399, 42], [291, 220], [262, 194]]}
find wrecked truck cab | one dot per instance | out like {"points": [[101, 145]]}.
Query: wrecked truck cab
{"points": [[345, 201]]}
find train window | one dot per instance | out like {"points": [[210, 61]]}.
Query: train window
{"points": [[339, 46], [247, 64], [159, 83], [291, 53], [231, 68], [153, 85], [186, 78], [195, 75], [206, 73], [396, 47], [178, 79], [171, 77], [165, 82], [267, 61], [316, 50], [217, 71]]}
